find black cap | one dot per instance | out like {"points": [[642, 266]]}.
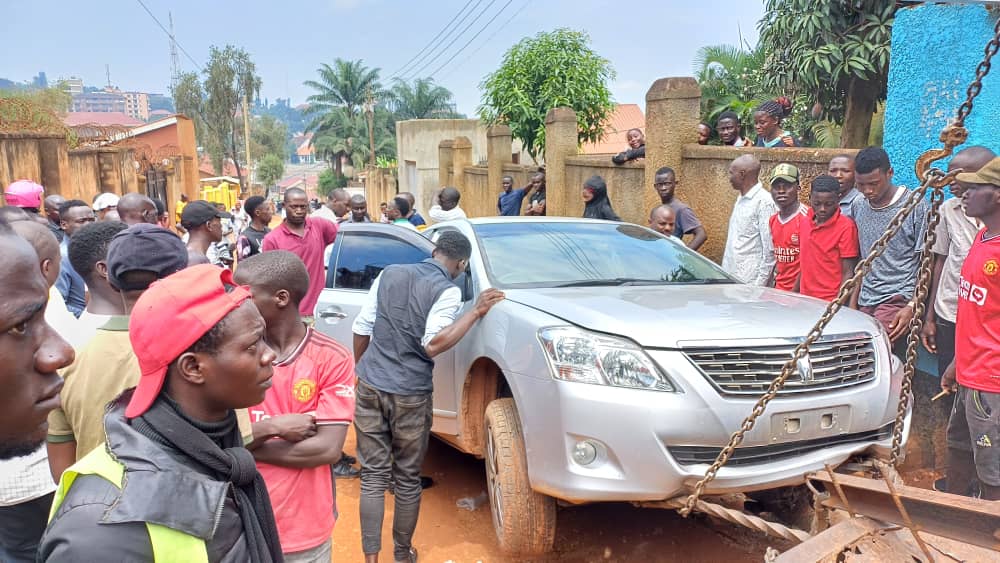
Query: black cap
{"points": [[145, 247], [199, 212]]}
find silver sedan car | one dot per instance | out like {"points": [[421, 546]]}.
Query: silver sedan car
{"points": [[619, 365]]}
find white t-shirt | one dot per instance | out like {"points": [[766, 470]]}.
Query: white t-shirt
{"points": [[440, 215]]}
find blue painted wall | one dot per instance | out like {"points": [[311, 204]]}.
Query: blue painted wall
{"points": [[935, 50]]}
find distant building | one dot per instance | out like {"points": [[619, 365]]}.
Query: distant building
{"points": [[305, 152], [104, 102], [137, 104], [73, 85]]}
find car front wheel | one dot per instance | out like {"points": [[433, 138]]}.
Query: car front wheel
{"points": [[524, 521]]}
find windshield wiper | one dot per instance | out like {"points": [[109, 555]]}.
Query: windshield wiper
{"points": [[611, 282]]}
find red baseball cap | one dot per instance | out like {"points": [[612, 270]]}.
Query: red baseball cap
{"points": [[171, 316]]}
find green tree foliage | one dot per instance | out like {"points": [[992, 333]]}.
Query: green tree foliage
{"points": [[833, 52], [343, 87], [270, 169], [549, 70], [339, 123], [731, 78], [328, 181], [268, 136], [421, 99], [230, 78]]}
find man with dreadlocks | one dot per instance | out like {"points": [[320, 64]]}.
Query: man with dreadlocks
{"points": [[767, 120]]}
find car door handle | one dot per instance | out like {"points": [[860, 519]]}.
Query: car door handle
{"points": [[330, 313]]}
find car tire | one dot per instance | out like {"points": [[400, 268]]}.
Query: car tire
{"points": [[524, 521]]}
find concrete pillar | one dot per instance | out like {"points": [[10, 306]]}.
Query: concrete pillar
{"points": [[672, 115], [498, 154], [444, 162], [461, 158], [560, 142], [53, 157]]}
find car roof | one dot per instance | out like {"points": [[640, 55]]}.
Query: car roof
{"points": [[519, 219]]}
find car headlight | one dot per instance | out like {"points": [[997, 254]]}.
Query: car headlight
{"points": [[587, 357]]}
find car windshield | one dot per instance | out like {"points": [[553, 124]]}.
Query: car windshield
{"points": [[562, 254]]}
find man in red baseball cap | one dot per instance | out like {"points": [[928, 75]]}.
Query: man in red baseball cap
{"points": [[173, 480]]}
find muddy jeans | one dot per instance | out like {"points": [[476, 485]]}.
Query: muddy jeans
{"points": [[393, 431]]}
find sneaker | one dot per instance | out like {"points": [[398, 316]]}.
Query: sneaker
{"points": [[345, 471]]}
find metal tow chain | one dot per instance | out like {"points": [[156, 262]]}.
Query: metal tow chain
{"points": [[982, 69], [953, 135], [914, 199], [916, 323]]}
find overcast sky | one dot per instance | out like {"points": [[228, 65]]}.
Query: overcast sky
{"points": [[288, 40]]}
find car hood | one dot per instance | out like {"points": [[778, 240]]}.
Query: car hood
{"points": [[670, 316]]}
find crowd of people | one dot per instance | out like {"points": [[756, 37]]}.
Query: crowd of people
{"points": [[147, 358], [142, 366]]}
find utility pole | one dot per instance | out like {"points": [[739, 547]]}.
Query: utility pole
{"points": [[370, 110], [246, 140]]}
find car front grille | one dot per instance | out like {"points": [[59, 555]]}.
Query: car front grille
{"points": [[748, 370], [691, 455]]}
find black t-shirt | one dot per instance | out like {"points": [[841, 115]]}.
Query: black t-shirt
{"points": [[536, 197], [250, 241]]}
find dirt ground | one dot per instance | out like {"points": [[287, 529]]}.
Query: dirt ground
{"points": [[600, 532]]}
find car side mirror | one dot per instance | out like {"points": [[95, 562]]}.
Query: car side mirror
{"points": [[464, 282]]}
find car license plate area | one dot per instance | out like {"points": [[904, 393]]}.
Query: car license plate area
{"points": [[810, 424]]}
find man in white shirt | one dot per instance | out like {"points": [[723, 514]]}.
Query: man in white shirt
{"points": [[749, 253], [408, 319], [240, 218], [445, 206], [336, 207]]}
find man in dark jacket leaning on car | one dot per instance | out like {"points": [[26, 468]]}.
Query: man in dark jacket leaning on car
{"points": [[173, 482]]}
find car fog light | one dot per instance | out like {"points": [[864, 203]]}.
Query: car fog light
{"points": [[584, 453]]}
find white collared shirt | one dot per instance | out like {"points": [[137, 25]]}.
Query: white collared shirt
{"points": [[749, 251], [955, 234], [441, 315]]}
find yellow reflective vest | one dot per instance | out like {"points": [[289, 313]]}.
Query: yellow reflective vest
{"points": [[169, 545]]}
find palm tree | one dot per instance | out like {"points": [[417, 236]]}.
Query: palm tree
{"points": [[731, 78], [347, 85], [339, 124], [343, 135], [423, 99]]}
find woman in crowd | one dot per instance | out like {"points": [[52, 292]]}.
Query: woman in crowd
{"points": [[595, 197], [767, 122], [637, 147]]}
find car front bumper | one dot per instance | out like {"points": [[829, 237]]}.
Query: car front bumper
{"points": [[655, 445]]}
